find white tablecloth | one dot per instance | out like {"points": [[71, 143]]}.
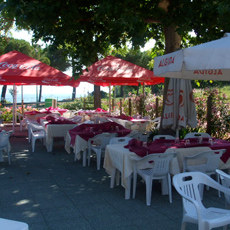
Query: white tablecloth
{"points": [[56, 130], [79, 145], [118, 157]]}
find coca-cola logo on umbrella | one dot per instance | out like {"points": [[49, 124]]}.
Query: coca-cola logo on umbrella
{"points": [[6, 65]]}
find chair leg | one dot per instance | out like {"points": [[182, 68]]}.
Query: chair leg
{"points": [[89, 155], [148, 184], [183, 225], [218, 180], [98, 159], [170, 188], [33, 144]]}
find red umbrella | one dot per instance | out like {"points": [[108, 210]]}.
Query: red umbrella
{"points": [[20, 69], [115, 71]]}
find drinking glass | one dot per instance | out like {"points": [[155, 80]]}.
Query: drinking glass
{"points": [[210, 141], [187, 142]]}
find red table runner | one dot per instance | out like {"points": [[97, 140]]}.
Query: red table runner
{"points": [[161, 145], [87, 131]]}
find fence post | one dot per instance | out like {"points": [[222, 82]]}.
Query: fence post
{"points": [[130, 107], [209, 114], [157, 106], [112, 105], [120, 106]]}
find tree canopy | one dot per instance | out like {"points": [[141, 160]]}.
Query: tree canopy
{"points": [[87, 28]]}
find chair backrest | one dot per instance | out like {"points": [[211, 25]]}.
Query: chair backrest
{"points": [[20, 116], [32, 127], [196, 135], [187, 185], [120, 140], [102, 139], [225, 181], [209, 159], [158, 163], [4, 138], [139, 136], [156, 123], [167, 137]]}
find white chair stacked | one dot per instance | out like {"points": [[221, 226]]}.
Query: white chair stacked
{"points": [[98, 144], [36, 131], [187, 185], [153, 167]]}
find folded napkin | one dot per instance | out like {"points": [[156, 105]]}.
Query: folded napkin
{"points": [[136, 146]]}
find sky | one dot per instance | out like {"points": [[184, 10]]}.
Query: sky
{"points": [[83, 89]]}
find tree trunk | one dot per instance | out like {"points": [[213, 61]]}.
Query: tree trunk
{"points": [[172, 43], [122, 91], [97, 97], [74, 94], [40, 94], [3, 97]]}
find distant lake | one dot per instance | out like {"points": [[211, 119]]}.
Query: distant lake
{"points": [[32, 97]]}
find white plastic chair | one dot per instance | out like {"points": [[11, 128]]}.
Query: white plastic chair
{"points": [[4, 143], [6, 224], [120, 140], [153, 167], [98, 144], [196, 135], [225, 181], [206, 162], [22, 120], [187, 185], [139, 135], [36, 132], [167, 137], [155, 124]]}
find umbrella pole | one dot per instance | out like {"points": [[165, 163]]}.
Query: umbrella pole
{"points": [[109, 97], [22, 99], [14, 106]]}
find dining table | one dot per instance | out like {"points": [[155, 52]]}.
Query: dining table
{"points": [[121, 157], [128, 122], [56, 127], [77, 138]]}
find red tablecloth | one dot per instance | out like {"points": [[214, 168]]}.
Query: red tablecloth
{"points": [[59, 120], [160, 146], [85, 130]]}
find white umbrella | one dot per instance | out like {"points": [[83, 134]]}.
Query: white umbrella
{"points": [[208, 61], [179, 108]]}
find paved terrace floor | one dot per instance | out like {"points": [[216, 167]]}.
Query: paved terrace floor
{"points": [[50, 191]]}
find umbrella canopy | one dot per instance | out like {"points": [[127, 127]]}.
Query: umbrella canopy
{"points": [[208, 61], [20, 69], [115, 71], [179, 108]]}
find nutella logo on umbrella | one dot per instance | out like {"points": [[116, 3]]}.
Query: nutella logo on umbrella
{"points": [[107, 68], [6, 65], [166, 61]]}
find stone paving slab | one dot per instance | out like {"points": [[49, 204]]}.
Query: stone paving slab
{"points": [[51, 191]]}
